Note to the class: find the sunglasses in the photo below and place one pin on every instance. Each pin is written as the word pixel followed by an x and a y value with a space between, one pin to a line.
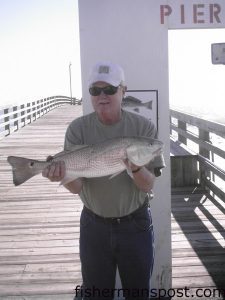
pixel 107 90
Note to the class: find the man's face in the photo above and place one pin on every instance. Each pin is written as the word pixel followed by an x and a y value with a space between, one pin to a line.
pixel 104 103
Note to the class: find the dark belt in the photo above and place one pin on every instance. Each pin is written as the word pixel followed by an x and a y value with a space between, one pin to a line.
pixel 118 219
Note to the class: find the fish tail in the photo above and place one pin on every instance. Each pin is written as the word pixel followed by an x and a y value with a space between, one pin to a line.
pixel 148 104
pixel 22 169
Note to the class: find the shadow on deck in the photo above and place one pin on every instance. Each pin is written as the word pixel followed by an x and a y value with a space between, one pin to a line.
pixel 198 230
pixel 198 241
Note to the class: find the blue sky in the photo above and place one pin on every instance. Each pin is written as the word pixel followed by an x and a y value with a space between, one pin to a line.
pixel 39 38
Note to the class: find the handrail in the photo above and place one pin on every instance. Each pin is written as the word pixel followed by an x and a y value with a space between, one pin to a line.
pixel 191 129
pixel 14 117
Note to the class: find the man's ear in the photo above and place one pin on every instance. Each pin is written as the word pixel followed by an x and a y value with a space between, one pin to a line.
pixel 124 89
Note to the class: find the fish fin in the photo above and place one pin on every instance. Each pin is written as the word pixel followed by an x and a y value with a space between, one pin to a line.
pixel 128 168
pixel 129 172
pixel 140 156
pixel 119 172
pixel 69 150
pixel 21 169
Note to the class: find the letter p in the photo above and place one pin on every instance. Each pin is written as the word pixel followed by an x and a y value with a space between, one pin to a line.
pixel 165 11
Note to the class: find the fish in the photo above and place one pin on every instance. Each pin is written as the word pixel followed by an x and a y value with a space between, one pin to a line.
pixel 130 101
pixel 96 160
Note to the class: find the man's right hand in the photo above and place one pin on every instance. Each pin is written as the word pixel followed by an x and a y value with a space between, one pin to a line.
pixel 56 171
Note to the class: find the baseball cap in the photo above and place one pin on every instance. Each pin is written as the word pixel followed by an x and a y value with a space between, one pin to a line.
pixel 107 72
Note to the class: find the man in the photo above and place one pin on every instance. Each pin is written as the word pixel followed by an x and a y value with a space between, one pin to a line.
pixel 116 226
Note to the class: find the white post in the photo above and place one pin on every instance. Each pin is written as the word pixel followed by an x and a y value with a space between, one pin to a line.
pixel 130 34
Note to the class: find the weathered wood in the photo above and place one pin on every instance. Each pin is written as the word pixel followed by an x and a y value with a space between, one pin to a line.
pixel 40 297
pixel 209 137
pixel 198 233
pixel 203 144
pixel 184 171
pixel 183 126
pixel 204 124
pixel 16 117
pixel 39 221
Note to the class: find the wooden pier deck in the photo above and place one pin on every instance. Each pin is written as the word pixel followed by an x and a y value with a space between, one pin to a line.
pixel 39 225
pixel 39 222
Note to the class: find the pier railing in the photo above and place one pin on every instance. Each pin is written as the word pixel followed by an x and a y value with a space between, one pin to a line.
pixel 205 142
pixel 14 117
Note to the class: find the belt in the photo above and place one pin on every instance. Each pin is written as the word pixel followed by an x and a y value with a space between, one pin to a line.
pixel 118 219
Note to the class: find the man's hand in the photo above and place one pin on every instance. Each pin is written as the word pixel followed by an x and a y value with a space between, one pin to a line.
pixel 55 172
pixel 143 178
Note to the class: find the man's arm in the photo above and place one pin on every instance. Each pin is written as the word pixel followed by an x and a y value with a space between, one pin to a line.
pixel 143 178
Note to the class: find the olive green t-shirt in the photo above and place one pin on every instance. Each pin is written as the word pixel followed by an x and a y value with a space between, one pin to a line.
pixel 118 196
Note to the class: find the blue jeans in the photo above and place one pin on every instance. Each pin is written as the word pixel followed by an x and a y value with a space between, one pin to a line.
pixel 126 243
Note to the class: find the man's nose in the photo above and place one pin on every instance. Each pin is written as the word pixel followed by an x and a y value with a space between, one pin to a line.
pixel 102 94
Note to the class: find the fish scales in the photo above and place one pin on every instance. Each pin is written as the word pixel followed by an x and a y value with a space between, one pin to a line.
pixel 97 161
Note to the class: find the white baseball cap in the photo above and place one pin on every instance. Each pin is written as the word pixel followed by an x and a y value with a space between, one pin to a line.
pixel 107 72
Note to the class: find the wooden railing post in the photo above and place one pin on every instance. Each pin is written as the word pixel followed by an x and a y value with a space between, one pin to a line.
pixel 204 136
pixel 6 120
pixel 28 113
pixel 15 115
pixel 182 125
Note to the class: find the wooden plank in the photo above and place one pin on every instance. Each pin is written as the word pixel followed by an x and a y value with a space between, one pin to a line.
pixel 18 233
pixel 204 236
pixel 182 261
pixel 199 269
pixel 57 288
pixel 41 277
pixel 40 297
pixel 52 267
pixel 41 250
pixel 36 259
pixel 39 244
pixel 210 126
pixel 203 281
pixel 30 238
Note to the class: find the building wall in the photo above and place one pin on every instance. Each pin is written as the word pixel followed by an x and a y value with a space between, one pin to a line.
pixel 131 34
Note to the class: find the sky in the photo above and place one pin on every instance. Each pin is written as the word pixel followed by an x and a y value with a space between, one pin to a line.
pixel 38 41
pixel 196 85
pixel 40 38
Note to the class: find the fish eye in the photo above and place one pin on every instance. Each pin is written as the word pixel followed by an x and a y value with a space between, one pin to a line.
pixel 31 163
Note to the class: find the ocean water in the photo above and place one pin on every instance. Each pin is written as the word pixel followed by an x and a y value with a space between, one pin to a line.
pixel 206 111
